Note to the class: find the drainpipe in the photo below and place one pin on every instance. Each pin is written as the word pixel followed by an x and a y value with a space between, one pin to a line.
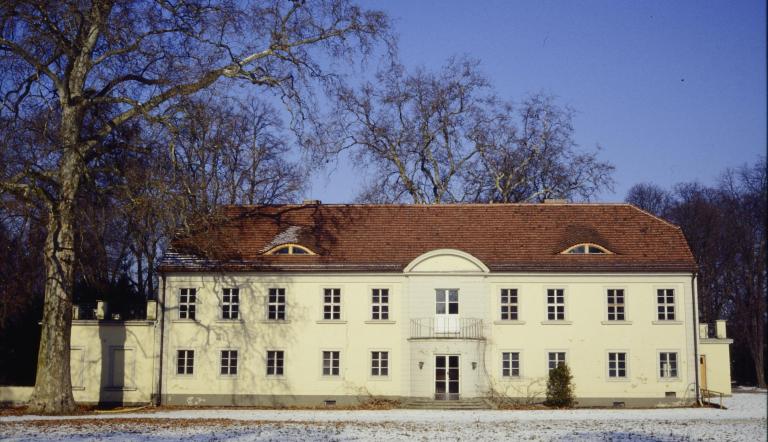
pixel 695 299
pixel 159 399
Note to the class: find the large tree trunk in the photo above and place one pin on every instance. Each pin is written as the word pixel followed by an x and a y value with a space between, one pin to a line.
pixel 53 385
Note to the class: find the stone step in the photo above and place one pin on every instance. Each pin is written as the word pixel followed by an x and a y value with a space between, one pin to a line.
pixel 462 404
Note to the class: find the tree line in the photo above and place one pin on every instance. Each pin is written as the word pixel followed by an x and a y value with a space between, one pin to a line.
pixel 122 120
pixel 725 226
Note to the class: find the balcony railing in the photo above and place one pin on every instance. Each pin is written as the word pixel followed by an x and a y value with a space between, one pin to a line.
pixel 446 327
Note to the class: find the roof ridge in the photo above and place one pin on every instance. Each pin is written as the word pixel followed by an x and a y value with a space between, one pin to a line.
pixel 432 205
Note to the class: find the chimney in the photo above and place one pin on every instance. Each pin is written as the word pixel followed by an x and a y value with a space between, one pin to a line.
pixel 720 329
pixel 312 202
pixel 555 201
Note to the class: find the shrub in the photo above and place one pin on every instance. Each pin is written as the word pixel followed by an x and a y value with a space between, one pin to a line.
pixel 560 387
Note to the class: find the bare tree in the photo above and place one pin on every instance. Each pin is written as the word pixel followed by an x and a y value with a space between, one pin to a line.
pixel 90 68
pixel 651 198
pixel 529 155
pixel 433 137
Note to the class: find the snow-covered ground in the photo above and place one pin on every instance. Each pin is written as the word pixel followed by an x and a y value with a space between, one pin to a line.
pixel 745 419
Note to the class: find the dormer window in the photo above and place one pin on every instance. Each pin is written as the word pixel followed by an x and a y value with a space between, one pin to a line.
pixel 289 249
pixel 586 249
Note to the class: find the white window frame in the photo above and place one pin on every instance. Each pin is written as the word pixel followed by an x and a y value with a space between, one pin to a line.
pixel 184 315
pixel 279 292
pixel 383 307
pixel 330 375
pixel 230 304
pixel 519 364
pixel 237 364
pixel 332 304
pixel 616 368
pixel 447 301
pixel 556 304
pixel 615 305
pixel 275 366
pixel 659 373
pixel 509 305
pixel 550 352
pixel 186 359
pixel 388 361
pixel 666 305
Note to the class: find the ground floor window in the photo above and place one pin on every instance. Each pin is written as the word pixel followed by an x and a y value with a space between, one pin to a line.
pixel 275 361
pixel 668 364
pixel 185 362
pixel 379 363
pixel 555 359
pixel 617 365
pixel 331 363
pixel 510 364
pixel 228 362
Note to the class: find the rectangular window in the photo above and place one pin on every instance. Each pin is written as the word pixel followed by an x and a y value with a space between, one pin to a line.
pixel 331 304
pixel 556 304
pixel 665 304
pixel 185 362
pixel 509 304
pixel 510 364
pixel 229 362
pixel 616 305
pixel 380 304
pixel 77 367
pixel 275 361
pixel 668 364
pixel 276 304
pixel 379 363
pixel 230 304
pixel 122 367
pixel 447 302
pixel 187 299
pixel 617 365
pixel 330 363
pixel 555 358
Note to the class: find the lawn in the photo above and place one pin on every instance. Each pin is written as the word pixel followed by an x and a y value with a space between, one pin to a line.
pixel 743 420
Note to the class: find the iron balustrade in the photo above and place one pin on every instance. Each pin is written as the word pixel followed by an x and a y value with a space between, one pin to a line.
pixel 447 327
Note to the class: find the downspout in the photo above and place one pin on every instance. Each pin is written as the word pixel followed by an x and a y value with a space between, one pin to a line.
pixel 695 299
pixel 159 399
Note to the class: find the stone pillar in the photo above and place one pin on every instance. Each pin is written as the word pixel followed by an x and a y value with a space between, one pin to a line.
pixel 703 331
pixel 151 310
pixel 720 329
pixel 75 312
pixel 101 310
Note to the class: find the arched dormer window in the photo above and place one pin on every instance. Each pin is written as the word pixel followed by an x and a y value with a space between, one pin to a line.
pixel 289 249
pixel 586 249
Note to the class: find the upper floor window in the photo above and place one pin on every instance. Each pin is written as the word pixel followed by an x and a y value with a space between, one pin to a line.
pixel 447 302
pixel 555 304
pixel 187 299
pixel 289 249
pixel 230 304
pixel 509 304
pixel 331 304
pixel 380 304
pixel 586 249
pixel 276 304
pixel 616 305
pixel 665 304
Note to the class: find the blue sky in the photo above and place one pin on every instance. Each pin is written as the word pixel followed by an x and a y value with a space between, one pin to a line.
pixel 672 90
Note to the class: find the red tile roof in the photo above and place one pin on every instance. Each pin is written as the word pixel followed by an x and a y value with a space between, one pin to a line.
pixel 385 238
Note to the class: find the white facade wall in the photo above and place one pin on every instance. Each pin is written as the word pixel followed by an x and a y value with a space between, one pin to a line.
pixel 585 336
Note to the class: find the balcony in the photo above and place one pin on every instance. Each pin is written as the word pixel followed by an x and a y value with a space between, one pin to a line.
pixel 446 327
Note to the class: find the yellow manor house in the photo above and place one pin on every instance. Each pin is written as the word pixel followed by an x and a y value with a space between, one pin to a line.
pixel 318 304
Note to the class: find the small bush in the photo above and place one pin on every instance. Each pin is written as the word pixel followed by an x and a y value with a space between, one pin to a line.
pixel 560 387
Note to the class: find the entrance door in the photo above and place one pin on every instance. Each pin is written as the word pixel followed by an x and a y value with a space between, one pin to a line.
pixel 447 377
pixel 446 311
pixel 703 371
